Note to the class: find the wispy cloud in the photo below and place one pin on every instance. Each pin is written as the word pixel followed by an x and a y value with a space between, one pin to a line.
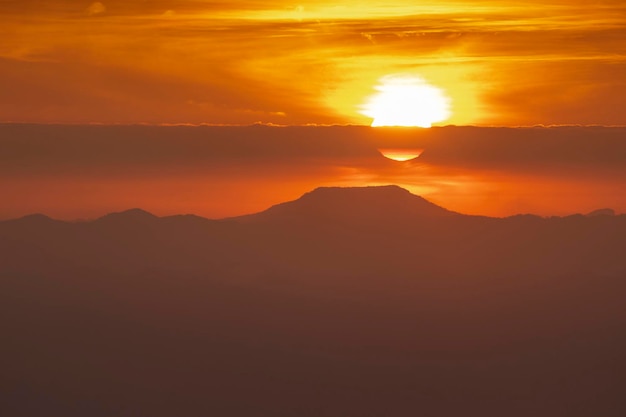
pixel 96 8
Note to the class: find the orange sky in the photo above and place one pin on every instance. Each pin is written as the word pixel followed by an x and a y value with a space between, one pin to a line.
pixel 190 61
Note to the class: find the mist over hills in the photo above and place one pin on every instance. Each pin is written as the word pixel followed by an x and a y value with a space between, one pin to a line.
pixel 344 302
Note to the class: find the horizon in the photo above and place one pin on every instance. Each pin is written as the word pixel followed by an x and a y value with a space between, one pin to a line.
pixel 279 203
pixel 83 171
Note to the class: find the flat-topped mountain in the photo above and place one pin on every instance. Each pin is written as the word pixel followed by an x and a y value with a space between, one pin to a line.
pixel 368 301
pixel 374 203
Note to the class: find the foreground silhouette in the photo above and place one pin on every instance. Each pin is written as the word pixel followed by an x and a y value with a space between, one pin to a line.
pixel 346 302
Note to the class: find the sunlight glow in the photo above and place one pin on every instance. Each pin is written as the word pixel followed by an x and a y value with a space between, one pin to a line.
pixel 404 100
pixel 332 10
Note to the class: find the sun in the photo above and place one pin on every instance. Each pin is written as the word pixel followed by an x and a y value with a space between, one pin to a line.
pixel 406 100
pixel 400 154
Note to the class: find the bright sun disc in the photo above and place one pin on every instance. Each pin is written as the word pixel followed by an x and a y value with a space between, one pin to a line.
pixel 406 101
pixel 400 154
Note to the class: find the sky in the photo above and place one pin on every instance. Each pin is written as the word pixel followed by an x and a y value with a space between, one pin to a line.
pixel 501 63
pixel 83 83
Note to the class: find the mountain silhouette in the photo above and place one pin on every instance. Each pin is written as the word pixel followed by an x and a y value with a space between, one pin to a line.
pixel 602 212
pixel 354 204
pixel 128 216
pixel 346 301
pixel 32 221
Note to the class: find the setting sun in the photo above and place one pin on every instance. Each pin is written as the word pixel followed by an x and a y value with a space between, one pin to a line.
pixel 406 101
pixel 312 208
pixel 400 154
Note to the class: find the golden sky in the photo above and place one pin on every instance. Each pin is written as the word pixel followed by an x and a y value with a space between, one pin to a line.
pixel 309 62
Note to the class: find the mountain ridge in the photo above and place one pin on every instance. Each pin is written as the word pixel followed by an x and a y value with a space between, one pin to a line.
pixel 374 311
pixel 382 200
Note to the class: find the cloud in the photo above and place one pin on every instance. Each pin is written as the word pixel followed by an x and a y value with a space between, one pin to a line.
pixel 96 8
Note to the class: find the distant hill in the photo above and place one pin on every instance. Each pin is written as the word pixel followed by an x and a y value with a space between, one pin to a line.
pixel 344 302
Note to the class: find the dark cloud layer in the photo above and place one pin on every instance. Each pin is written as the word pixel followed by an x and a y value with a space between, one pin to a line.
pixel 59 148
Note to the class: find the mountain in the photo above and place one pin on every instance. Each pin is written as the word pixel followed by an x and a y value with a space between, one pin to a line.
pixel 347 301
pixel 602 212
pixel 132 216
pixel 353 204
